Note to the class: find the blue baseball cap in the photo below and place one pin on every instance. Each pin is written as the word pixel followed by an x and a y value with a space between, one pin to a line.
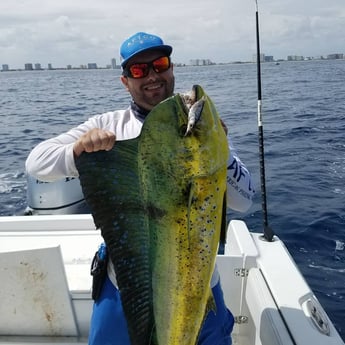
pixel 140 42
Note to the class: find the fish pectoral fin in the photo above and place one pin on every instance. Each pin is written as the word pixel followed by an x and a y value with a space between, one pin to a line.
pixel 211 305
pixel 152 340
pixel 191 199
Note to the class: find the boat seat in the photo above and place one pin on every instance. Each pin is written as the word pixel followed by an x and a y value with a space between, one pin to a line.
pixel 271 329
pixel 34 294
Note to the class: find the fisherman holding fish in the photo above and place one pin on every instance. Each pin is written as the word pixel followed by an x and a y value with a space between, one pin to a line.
pixel 148 77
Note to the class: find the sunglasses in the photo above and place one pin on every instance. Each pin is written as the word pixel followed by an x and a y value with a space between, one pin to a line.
pixel 141 70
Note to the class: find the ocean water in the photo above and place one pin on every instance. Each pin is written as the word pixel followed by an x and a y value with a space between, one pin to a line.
pixel 304 124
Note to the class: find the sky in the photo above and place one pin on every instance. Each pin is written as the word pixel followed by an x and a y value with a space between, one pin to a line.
pixel 77 32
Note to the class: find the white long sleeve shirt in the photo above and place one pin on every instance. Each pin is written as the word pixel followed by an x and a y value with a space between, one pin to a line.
pixel 53 159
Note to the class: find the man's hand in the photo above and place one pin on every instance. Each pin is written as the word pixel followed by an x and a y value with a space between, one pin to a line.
pixel 94 140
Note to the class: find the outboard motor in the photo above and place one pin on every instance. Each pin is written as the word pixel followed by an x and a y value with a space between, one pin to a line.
pixel 59 197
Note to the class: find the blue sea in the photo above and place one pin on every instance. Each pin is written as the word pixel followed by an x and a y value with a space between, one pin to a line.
pixel 304 125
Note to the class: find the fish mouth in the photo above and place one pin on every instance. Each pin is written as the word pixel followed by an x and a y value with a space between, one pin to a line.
pixel 189 98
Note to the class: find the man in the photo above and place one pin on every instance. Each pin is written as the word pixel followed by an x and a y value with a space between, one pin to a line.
pixel 148 77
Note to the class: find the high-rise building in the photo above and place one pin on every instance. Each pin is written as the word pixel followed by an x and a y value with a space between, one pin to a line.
pixel 295 58
pixel 113 63
pixel 92 65
pixel 335 56
pixel 201 62
pixel 5 68
pixel 262 57
pixel 28 67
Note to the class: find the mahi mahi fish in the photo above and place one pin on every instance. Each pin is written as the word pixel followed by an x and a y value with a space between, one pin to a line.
pixel 159 202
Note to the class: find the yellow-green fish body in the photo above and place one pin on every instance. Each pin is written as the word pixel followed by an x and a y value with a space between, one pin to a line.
pixel 174 189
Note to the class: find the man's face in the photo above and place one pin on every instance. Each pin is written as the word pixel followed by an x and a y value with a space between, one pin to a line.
pixel 152 89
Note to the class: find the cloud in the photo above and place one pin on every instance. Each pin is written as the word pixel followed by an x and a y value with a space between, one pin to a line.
pixel 302 34
pixel 77 32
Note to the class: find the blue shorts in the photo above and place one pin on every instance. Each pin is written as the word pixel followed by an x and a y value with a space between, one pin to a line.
pixel 109 327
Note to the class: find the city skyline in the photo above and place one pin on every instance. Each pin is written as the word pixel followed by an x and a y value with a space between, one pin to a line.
pixel 192 62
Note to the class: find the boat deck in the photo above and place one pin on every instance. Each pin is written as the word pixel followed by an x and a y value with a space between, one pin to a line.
pixel 46 285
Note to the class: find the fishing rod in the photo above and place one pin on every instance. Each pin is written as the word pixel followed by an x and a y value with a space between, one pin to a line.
pixel 268 232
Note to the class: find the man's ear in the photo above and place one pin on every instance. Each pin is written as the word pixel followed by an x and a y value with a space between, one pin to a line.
pixel 124 81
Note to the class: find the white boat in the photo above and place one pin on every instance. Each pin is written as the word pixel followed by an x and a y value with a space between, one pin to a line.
pixel 46 285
